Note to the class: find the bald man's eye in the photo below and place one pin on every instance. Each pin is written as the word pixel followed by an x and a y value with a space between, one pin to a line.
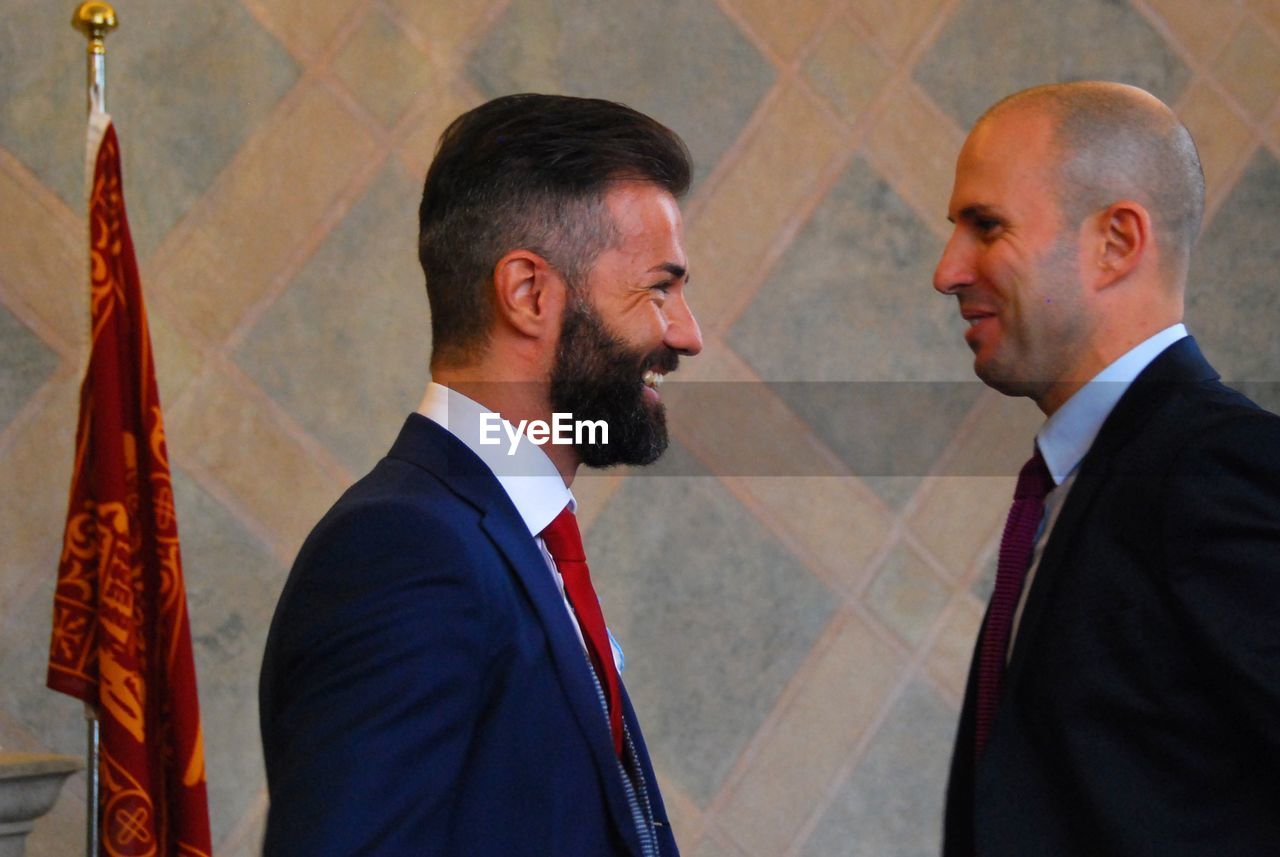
pixel 987 227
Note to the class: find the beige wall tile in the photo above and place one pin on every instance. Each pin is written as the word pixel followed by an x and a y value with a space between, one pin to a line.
pixel 837 521
pixel 442 104
pixel 773 177
pixel 914 145
pixel 784 27
pixel 766 438
pixel 997 438
pixel 714 845
pixel 897 23
pixel 306 26
pixel 682 811
pixel 382 68
pixel 1249 68
pixel 46 259
pixel 301 166
pixel 1221 136
pixel 1203 26
pixel 1268 11
pixel 446 24
pixel 37 477
pixel 177 359
pixel 236 439
pixel 846 70
pixel 841 691
pixel 960 512
pixel 958 516
pixel 906 594
pixel 278 189
pixel 948 661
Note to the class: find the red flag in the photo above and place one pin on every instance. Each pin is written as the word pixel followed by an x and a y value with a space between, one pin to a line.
pixel 121 638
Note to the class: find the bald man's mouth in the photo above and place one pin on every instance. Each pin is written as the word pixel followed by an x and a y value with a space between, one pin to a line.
pixel 979 321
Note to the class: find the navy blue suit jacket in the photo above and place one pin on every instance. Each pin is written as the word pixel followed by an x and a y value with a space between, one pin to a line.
pixel 423 690
pixel 1141 708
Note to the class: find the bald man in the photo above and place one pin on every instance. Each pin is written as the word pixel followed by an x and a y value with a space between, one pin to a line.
pixel 1124 697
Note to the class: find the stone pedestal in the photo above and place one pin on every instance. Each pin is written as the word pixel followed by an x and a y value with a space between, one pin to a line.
pixel 29 785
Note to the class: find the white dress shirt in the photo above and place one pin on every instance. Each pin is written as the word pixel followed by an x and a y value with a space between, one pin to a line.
pixel 1067 435
pixel 526 474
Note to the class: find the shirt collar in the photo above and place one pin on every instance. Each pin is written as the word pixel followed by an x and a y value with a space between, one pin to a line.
pixel 1067 435
pixel 528 476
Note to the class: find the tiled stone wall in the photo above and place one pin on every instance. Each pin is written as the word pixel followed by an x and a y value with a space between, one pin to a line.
pixel 796 645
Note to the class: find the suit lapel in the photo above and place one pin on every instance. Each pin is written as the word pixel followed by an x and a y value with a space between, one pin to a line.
pixel 1179 364
pixel 426 444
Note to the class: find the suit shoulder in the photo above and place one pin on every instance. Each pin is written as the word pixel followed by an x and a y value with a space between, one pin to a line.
pixel 1217 416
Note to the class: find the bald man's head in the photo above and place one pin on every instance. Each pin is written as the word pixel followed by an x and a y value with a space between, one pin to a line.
pixel 1120 142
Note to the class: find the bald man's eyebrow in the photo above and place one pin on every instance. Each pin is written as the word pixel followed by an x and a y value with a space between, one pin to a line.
pixel 972 213
pixel 677 271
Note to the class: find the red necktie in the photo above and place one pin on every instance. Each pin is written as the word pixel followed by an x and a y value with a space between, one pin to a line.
pixel 564 543
pixel 1016 545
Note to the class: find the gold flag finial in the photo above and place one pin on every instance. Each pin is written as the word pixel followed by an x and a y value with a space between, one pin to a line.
pixel 95 19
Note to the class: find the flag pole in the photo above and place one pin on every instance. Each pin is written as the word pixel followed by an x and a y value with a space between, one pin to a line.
pixel 95 20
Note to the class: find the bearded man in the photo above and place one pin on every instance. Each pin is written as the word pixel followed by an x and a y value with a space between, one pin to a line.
pixel 438 677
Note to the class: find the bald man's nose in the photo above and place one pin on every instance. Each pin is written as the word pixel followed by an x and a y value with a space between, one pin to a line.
pixel 955 266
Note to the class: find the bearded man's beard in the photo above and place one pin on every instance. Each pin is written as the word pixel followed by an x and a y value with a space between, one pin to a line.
pixel 598 377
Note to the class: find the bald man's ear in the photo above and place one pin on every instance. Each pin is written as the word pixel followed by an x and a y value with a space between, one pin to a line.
pixel 529 293
pixel 1123 240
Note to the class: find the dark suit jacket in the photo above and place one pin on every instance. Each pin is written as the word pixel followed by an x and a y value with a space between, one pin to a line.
pixel 423 691
pixel 1141 710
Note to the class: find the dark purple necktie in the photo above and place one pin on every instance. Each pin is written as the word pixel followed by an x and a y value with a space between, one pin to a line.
pixel 1016 545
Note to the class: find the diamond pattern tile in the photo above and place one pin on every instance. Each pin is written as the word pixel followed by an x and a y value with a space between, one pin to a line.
pixel 1221 136
pixel 785 27
pixel 706 583
pixel 1042 41
pixel 25 363
pixel 948 659
pixel 308 25
pixel 1249 67
pixel 446 24
pixel 241 245
pixel 352 334
pixel 846 69
pixel 221 429
pixel 797 643
pixel 1231 296
pixel 42 96
pixel 892 804
pixel 175 138
pixel 792 772
pixel 553 46
pixel 43 247
pixel 383 68
pixel 1203 26
pixel 907 595
pixel 36 463
pixel 55 718
pixel 858 279
pixel 210 107
pixel 897 24
pixel 759 196
pixel 232 584
pixel 444 103
pixel 1268 11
